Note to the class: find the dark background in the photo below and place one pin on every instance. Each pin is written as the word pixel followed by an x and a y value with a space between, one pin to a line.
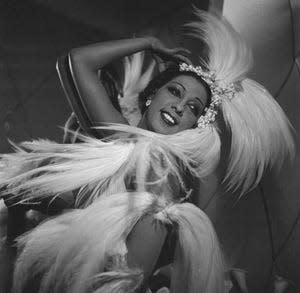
pixel 260 233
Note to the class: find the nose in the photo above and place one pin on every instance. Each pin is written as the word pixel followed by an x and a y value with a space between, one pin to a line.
pixel 179 108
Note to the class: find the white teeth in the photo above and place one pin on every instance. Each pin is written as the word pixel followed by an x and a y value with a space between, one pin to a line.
pixel 168 118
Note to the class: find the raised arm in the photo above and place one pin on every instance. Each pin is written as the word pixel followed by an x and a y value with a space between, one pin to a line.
pixel 84 64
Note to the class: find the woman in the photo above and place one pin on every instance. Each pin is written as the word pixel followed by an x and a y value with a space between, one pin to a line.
pixel 135 185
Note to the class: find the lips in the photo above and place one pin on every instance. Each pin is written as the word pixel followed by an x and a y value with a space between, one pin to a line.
pixel 168 118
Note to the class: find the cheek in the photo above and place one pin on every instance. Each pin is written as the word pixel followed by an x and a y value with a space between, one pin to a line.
pixel 158 102
pixel 188 121
pixel 152 115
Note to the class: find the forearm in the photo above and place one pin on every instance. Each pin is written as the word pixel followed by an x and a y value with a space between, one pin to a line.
pixel 98 55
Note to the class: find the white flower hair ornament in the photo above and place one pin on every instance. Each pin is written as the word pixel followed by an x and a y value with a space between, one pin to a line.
pixel 217 92
pixel 260 131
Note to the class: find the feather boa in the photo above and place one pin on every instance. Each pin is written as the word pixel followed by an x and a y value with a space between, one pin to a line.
pixel 70 253
pixel 44 168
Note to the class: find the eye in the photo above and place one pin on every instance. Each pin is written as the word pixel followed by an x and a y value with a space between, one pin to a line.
pixel 174 91
pixel 195 109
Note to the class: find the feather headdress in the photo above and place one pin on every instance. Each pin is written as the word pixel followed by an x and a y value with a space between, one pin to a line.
pixel 260 131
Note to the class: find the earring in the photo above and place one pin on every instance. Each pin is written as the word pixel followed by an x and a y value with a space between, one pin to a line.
pixel 148 102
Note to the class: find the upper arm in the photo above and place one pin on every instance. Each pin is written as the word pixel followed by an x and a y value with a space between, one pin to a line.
pixel 87 95
pixel 92 93
pixel 144 244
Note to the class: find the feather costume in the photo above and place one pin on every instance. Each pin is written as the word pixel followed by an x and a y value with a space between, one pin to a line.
pixel 71 252
pixel 85 250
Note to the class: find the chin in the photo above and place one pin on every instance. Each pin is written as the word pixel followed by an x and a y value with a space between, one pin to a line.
pixel 161 127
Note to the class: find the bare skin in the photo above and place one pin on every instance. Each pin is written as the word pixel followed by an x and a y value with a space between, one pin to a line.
pixel 176 106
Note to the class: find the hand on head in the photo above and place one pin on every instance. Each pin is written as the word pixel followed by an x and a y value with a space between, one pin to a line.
pixel 163 55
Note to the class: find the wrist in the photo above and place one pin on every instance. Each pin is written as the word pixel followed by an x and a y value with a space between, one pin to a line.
pixel 150 42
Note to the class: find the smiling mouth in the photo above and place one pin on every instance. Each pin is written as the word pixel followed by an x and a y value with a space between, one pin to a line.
pixel 168 118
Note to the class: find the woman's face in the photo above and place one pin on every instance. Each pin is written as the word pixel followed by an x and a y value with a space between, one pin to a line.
pixel 176 106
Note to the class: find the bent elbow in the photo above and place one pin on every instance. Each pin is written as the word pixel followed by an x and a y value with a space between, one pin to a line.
pixel 75 58
pixel 79 59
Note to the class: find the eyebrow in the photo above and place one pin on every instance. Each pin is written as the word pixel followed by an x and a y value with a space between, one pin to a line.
pixel 180 84
pixel 201 102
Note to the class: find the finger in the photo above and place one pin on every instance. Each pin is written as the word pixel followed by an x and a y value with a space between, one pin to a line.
pixel 180 58
pixel 182 51
pixel 160 63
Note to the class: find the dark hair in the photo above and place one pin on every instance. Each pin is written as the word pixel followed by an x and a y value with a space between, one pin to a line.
pixel 164 77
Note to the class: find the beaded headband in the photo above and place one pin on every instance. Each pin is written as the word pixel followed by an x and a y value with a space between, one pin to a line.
pixel 218 92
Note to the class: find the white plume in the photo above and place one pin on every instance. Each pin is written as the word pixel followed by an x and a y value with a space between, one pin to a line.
pixel 261 135
pixel 70 253
pixel 135 81
pixel 44 168
pixel 85 250
pixel 199 265
pixel 260 132
pixel 228 54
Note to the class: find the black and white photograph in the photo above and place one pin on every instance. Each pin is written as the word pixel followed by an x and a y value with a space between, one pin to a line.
pixel 149 146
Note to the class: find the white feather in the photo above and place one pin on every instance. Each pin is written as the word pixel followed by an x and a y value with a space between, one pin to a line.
pixel 96 167
pixel 135 80
pixel 261 135
pixel 228 54
pixel 70 253
pixel 260 131
pixel 199 265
